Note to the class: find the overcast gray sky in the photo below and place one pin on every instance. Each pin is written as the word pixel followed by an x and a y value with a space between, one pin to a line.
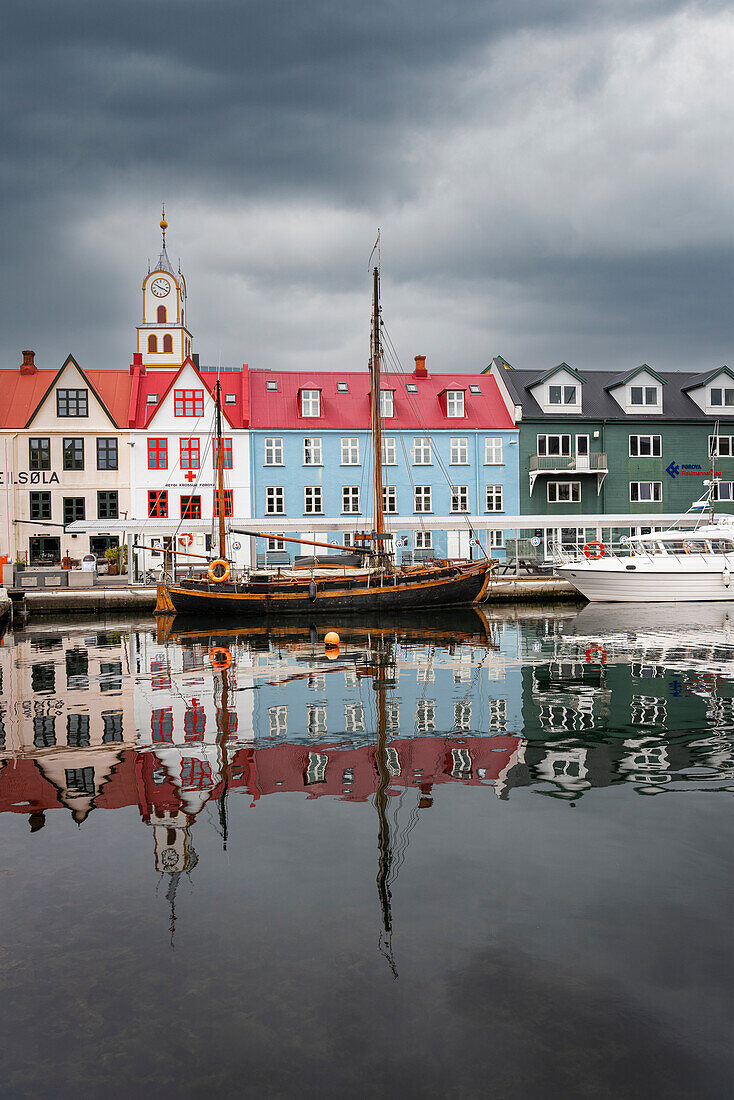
pixel 552 178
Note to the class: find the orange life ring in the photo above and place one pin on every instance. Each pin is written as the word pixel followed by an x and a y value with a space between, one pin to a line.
pixel 597 653
pixel 213 577
pixel 186 538
pixel 220 658
pixel 594 550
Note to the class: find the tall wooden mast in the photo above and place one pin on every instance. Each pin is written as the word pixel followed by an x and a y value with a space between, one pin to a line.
pixel 220 473
pixel 376 353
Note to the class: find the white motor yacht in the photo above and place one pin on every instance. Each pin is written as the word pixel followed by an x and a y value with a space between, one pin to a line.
pixel 673 566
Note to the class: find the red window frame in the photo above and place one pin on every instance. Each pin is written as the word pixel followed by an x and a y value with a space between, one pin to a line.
pixel 158 503
pixel 227 449
pixel 192 506
pixel 228 503
pixel 194 723
pixel 157 453
pixel 190 453
pixel 161 725
pixel 195 774
pixel 188 402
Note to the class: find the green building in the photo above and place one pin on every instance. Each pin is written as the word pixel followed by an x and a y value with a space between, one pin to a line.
pixel 601 444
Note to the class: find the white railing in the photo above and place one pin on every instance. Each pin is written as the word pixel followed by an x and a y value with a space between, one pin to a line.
pixel 591 463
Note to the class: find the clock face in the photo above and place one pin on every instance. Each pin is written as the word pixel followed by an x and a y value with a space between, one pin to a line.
pixel 161 287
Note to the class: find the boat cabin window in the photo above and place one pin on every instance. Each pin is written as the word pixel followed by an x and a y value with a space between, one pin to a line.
pixel 722 546
pixel 687 545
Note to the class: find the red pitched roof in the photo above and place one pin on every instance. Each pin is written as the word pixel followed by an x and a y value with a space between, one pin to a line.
pixel 343 411
pixel 22 394
pixel 159 381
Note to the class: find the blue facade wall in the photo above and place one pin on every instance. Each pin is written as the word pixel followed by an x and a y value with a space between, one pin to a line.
pixel 293 476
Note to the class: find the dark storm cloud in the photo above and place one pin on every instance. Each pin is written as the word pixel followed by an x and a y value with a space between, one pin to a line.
pixel 329 114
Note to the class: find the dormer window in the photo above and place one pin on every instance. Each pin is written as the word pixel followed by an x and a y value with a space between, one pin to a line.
pixel 387 403
pixel 721 396
pixel 644 395
pixel 454 403
pixel 562 395
pixel 310 403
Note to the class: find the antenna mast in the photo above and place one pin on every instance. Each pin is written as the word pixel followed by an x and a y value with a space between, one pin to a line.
pixel 220 473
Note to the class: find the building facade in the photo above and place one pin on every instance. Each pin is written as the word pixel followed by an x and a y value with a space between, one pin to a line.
pixel 63 437
pixel 449 459
pixel 599 444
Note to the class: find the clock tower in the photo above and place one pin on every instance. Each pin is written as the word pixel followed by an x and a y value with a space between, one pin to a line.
pixel 163 338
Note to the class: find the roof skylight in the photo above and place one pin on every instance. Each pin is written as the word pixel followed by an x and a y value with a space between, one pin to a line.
pixel 475 389
pixel 342 387
pixel 411 387
pixel 272 386
pixel 151 399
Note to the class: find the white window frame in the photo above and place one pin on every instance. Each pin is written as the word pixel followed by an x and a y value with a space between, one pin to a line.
pixel 542 444
pixel 314 443
pixel 350 450
pixel 350 497
pixel 574 492
pixel 493 449
pixel 726 397
pixel 354 717
pixel 727 487
pixel 493 498
pixel 460 498
pixel 495 540
pixel 422 495
pixel 645 392
pixel 311 403
pixel 315 719
pixel 656 489
pixel 423 540
pixel 455 404
pixel 728 450
pixel 275 545
pixel 278 720
pixel 273 449
pixel 389 451
pixel 651 444
pixel 313 500
pixel 274 500
pixel 387 404
pixel 389 500
pixel 563 391
pixel 421 448
pixel 459 451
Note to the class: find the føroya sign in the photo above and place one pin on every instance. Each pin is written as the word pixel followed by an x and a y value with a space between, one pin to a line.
pixel 689 469
pixel 29 477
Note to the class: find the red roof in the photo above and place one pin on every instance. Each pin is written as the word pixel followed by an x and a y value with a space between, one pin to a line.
pixel 22 394
pixel 351 410
pixel 155 380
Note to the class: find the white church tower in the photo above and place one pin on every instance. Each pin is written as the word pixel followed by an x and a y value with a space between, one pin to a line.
pixel 163 338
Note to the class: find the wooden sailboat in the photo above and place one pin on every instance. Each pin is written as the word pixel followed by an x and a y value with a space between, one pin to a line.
pixel 374 583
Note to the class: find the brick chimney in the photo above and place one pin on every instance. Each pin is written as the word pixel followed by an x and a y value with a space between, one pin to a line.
pixel 28 366
pixel 420 367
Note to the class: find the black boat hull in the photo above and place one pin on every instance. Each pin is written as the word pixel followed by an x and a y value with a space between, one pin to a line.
pixel 447 587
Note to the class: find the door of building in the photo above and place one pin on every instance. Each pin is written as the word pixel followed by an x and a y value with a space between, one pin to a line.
pixel 457 544
pixel 45 550
pixel 582 452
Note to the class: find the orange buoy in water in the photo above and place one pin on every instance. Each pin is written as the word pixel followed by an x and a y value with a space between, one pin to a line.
pixel 332 653
pixel 331 639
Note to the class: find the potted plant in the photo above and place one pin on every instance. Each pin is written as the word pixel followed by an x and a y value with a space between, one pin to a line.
pixel 112 553
pixel 20 562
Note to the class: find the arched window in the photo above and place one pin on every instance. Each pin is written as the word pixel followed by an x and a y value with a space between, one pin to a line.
pixel 168 343
pixel 161 315
pixel 188 347
pixel 152 343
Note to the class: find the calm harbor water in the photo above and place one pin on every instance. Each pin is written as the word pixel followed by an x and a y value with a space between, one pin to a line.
pixel 463 855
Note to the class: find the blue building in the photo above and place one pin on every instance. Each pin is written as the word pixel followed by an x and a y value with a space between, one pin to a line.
pixel 449 457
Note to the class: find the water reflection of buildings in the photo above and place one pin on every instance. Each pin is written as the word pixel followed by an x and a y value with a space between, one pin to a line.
pixel 93 720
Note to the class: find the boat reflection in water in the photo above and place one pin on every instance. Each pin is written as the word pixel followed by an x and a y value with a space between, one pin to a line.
pixel 176 721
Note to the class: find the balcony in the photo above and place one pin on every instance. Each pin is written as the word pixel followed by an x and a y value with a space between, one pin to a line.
pixel 595 463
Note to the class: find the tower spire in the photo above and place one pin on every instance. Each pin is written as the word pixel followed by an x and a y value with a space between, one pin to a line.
pixel 163 224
